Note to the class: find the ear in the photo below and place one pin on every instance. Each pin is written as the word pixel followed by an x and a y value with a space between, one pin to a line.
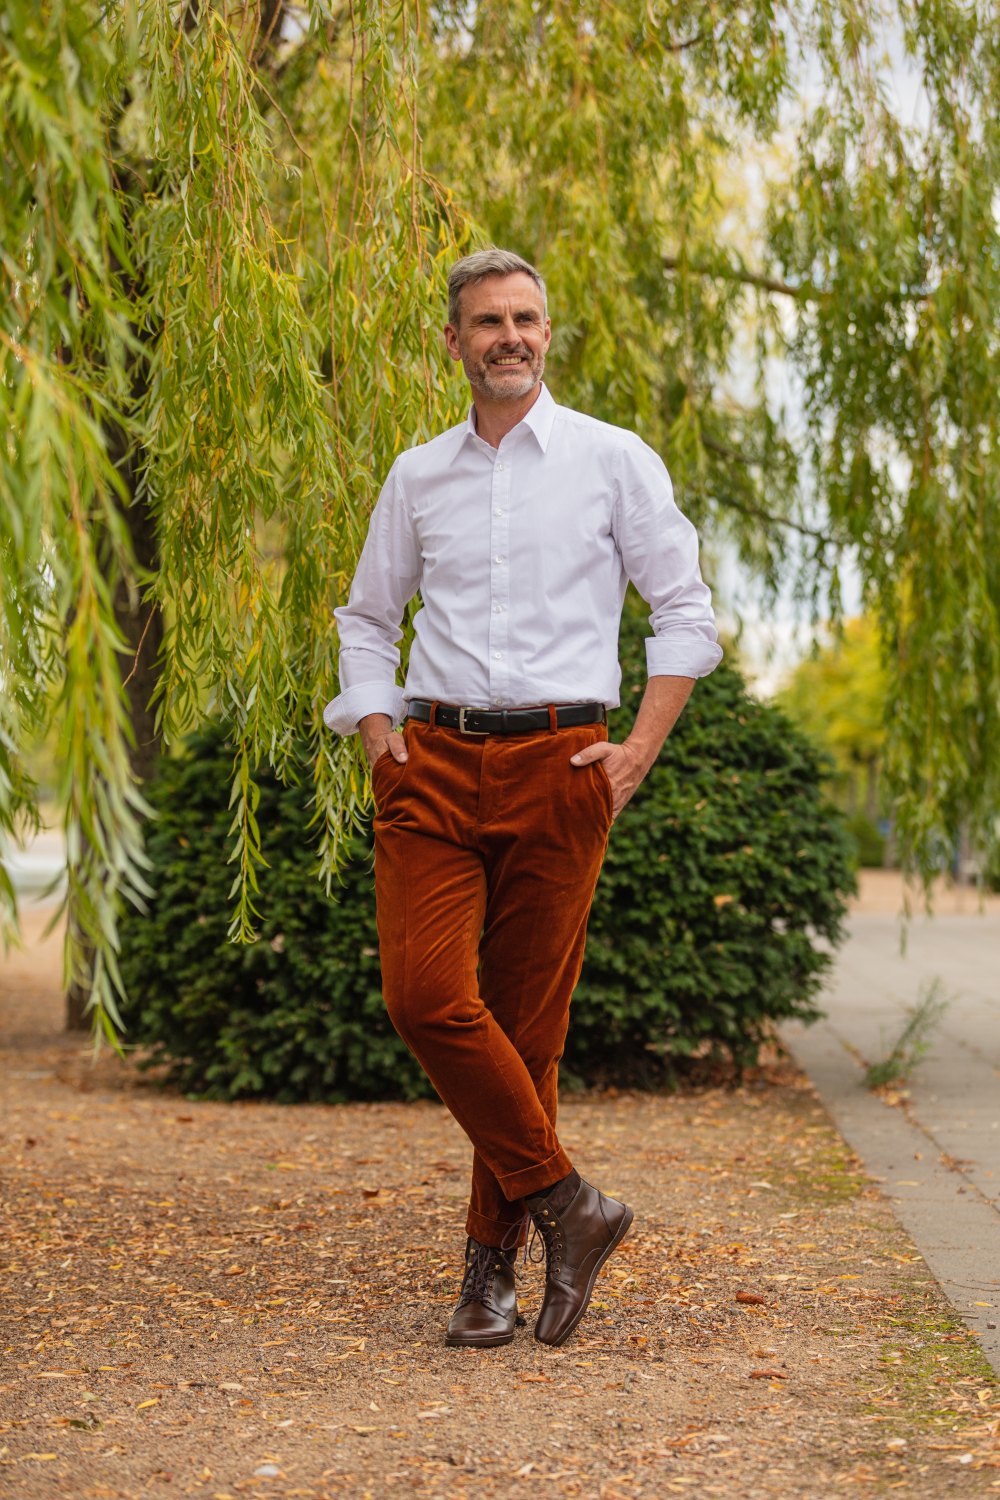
pixel 548 332
pixel 451 341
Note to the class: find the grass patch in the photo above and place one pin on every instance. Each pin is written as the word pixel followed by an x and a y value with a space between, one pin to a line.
pixel 832 1177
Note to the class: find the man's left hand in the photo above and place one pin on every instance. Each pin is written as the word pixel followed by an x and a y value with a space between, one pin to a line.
pixel 627 763
pixel 625 768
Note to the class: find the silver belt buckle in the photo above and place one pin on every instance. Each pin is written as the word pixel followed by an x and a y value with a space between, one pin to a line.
pixel 482 733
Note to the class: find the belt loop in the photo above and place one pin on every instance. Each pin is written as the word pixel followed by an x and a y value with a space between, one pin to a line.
pixel 432 721
pixel 553 721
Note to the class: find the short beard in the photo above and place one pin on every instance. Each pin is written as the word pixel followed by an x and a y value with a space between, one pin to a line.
pixel 503 388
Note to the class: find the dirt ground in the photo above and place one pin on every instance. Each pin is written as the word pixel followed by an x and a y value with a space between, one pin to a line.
pixel 249 1300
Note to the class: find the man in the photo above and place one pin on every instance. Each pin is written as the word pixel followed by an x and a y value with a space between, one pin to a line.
pixel 520 528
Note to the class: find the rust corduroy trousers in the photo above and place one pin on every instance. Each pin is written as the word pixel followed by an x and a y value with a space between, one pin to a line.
pixel 487 851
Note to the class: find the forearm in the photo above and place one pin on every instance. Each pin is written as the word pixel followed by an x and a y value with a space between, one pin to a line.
pixel 369 624
pixel 659 711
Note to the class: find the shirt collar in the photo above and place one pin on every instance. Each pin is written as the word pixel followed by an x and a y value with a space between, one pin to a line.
pixel 539 419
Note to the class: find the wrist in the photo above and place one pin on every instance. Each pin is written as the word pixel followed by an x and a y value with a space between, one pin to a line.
pixel 373 729
pixel 641 751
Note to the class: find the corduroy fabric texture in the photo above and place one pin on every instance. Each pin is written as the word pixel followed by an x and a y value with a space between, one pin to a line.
pixel 487 851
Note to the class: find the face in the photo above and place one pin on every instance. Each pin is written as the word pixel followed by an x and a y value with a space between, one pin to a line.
pixel 501 336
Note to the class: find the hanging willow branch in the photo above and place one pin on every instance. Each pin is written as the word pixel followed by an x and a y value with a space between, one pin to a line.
pixel 161 314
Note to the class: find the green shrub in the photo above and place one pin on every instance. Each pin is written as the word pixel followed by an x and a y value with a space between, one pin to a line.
pixel 723 876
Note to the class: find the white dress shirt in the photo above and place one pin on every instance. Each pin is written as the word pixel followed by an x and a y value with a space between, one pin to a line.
pixel 522 555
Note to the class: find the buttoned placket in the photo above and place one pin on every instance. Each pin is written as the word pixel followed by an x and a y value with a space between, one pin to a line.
pixel 499 635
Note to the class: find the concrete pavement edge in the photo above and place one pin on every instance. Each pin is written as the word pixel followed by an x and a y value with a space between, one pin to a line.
pixel 953 1226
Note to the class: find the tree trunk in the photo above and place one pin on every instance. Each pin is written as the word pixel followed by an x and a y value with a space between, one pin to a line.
pixel 872 788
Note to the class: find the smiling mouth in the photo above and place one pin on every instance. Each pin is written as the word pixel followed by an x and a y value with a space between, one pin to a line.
pixel 508 361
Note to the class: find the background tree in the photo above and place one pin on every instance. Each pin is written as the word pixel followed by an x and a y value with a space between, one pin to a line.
pixel 225 233
pixel 838 696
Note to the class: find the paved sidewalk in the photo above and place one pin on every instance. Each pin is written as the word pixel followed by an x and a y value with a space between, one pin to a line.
pixel 935 1152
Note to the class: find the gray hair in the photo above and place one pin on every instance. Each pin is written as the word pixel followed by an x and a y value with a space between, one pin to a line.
pixel 492 262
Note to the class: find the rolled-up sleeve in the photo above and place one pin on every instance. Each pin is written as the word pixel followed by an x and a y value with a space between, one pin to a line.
pixel 370 623
pixel 659 549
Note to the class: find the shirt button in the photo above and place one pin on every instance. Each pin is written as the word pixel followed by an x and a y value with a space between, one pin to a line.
pixel 498 656
pixel 499 558
pixel 500 467
pixel 498 609
pixel 498 701
pixel 499 511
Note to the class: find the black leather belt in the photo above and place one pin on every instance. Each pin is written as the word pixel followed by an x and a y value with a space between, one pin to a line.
pixel 505 720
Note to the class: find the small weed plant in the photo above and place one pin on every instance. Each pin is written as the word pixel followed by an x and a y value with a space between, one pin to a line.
pixel 914 1040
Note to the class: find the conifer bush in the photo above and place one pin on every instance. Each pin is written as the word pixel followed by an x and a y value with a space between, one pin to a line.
pixel 721 898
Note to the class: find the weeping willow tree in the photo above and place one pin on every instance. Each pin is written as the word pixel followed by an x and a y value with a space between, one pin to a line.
pixel 225 235
pixel 201 387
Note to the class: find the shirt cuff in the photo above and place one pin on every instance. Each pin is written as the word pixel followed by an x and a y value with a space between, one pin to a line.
pixel 342 714
pixel 680 657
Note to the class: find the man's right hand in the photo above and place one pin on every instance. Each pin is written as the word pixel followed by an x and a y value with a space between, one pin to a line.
pixel 378 735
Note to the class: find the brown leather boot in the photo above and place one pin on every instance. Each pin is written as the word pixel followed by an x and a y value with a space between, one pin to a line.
pixel 486 1314
pixel 578 1240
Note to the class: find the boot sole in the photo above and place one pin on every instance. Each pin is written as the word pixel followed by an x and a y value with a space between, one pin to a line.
pixel 622 1231
pixel 494 1343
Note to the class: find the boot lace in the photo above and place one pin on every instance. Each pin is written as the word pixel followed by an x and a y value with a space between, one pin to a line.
pixel 543 1239
pixel 481 1265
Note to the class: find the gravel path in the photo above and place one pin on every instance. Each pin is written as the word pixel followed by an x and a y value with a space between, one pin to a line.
pixel 220 1301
